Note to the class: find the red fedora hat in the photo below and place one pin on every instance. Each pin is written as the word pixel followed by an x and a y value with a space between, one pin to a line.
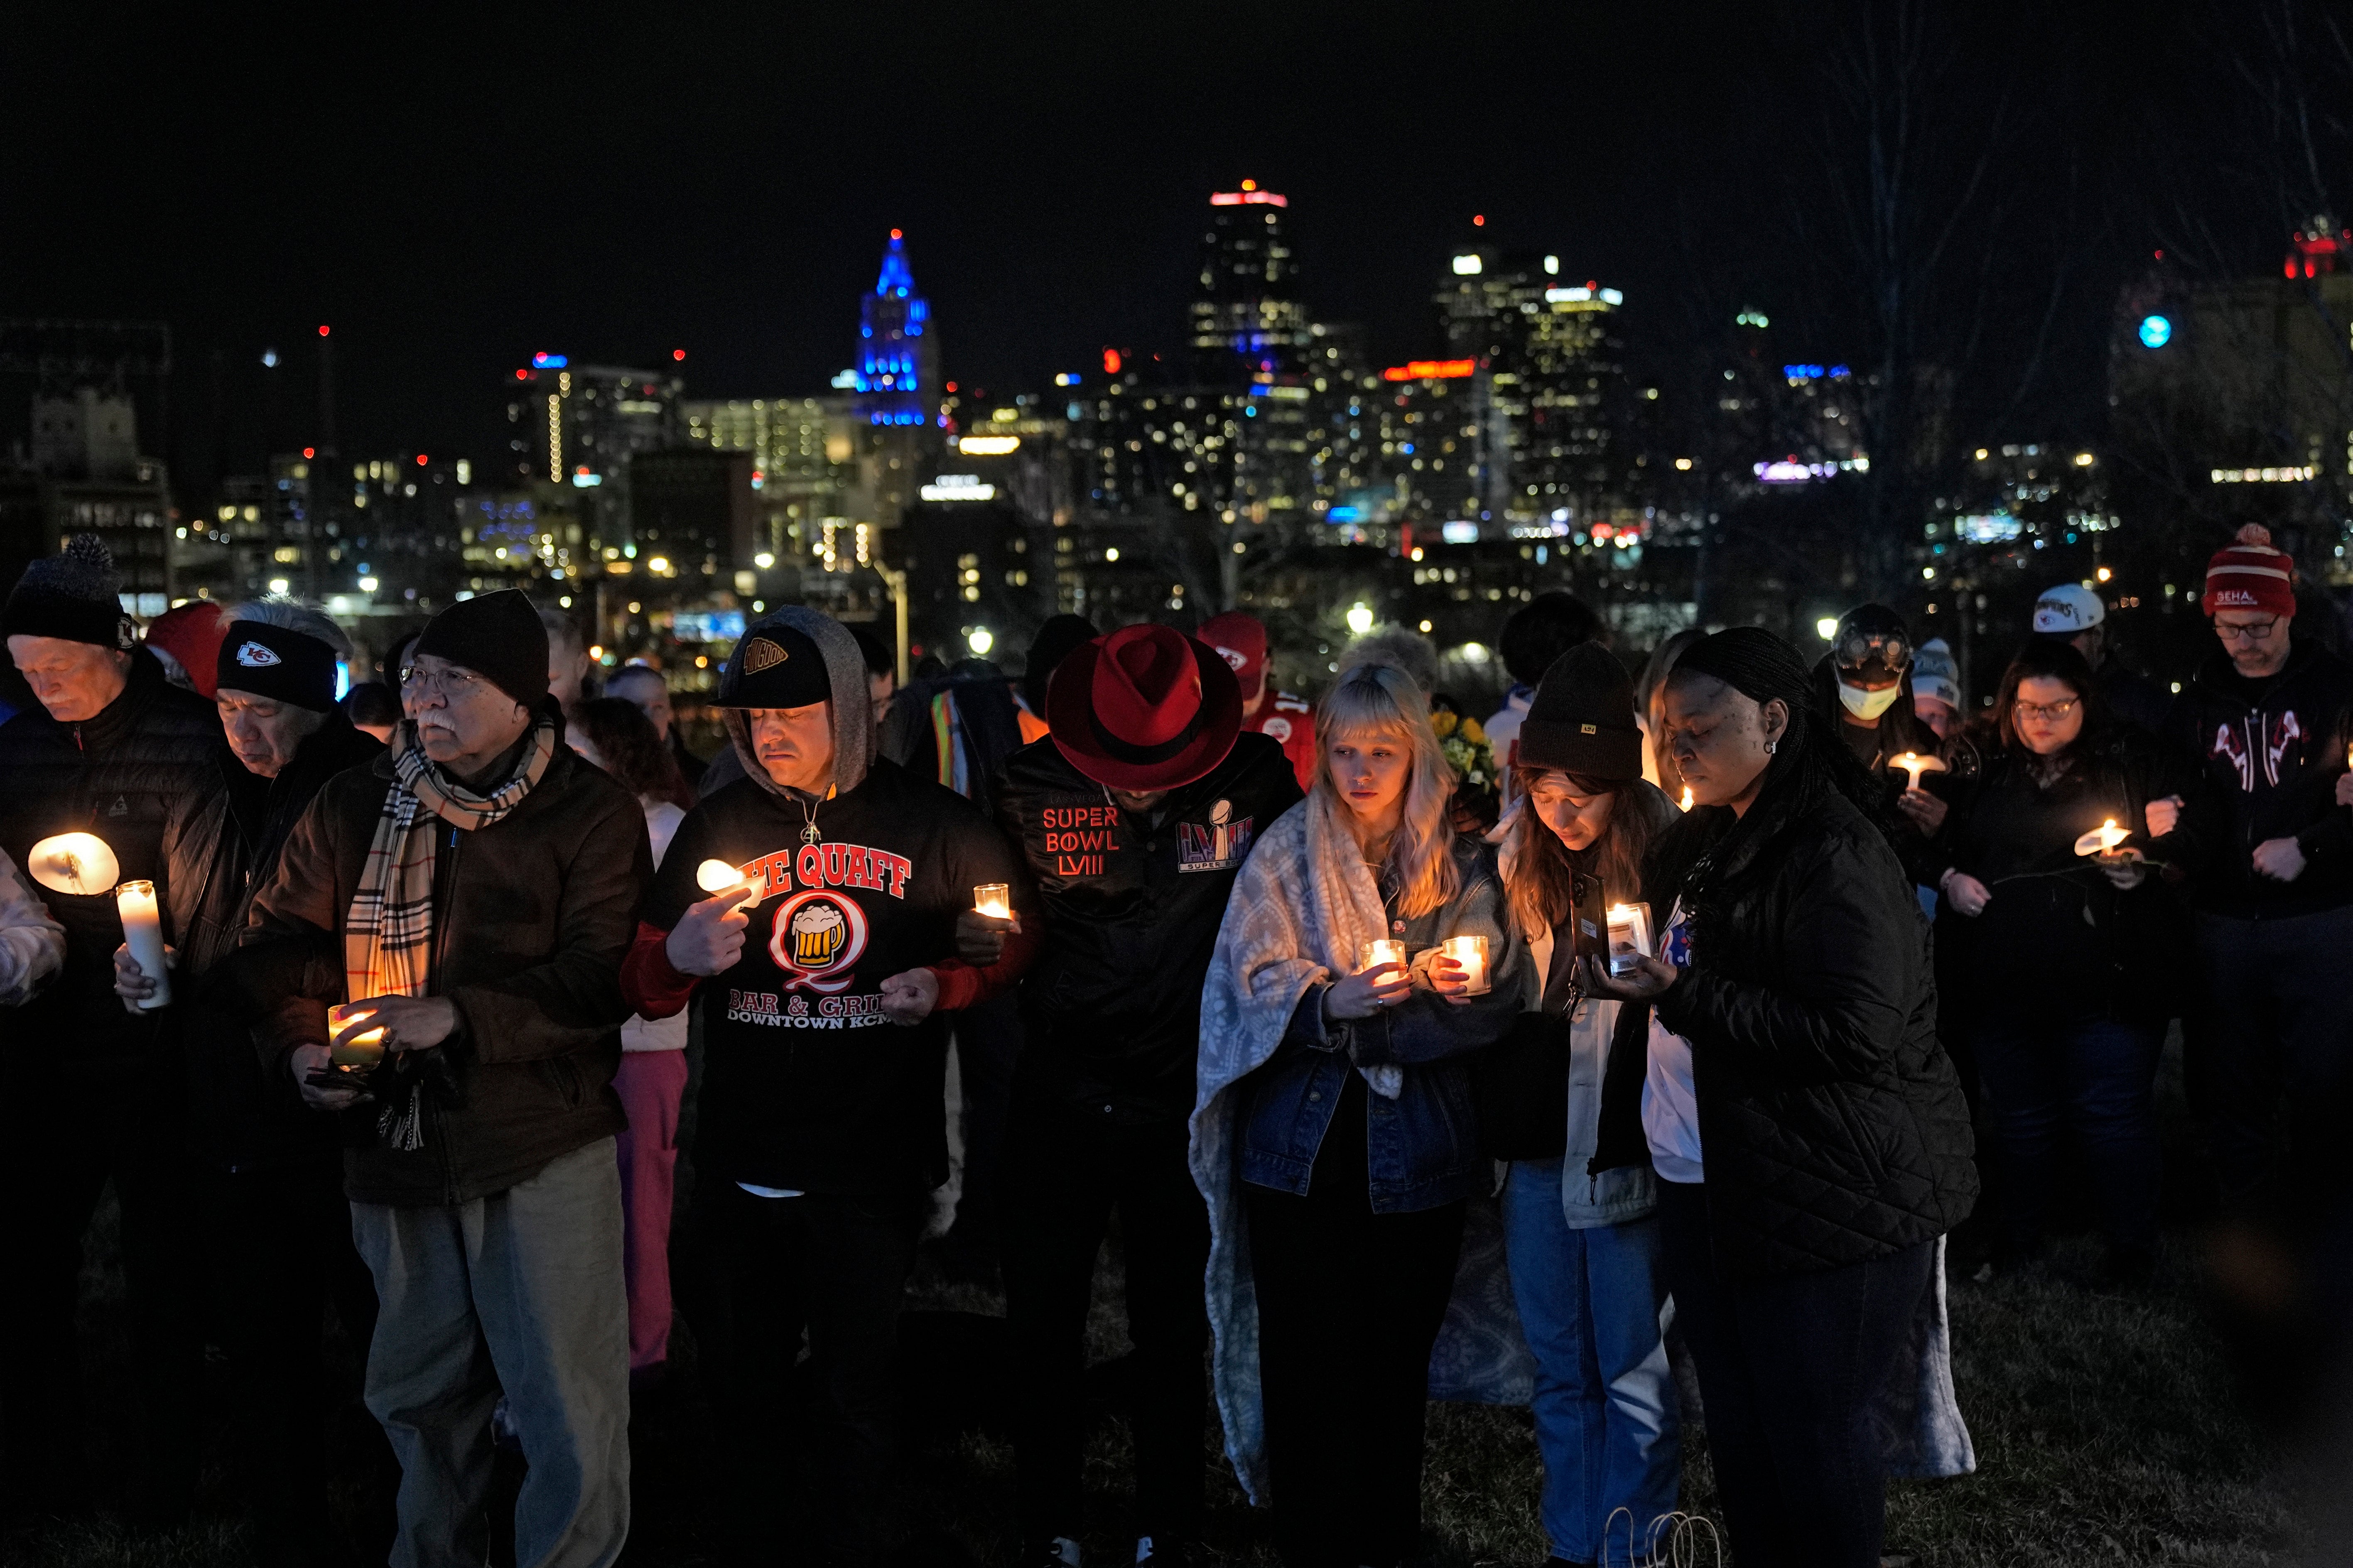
pixel 1145 708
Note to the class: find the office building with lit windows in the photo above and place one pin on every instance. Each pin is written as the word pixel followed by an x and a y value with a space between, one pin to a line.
pixel 1248 323
pixel 897 380
pixel 1550 400
pixel 580 424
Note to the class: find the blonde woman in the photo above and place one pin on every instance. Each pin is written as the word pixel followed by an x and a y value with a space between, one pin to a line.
pixel 1334 1135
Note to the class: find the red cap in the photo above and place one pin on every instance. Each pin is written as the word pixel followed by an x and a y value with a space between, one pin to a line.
pixel 2250 576
pixel 1241 641
pixel 192 633
pixel 1145 708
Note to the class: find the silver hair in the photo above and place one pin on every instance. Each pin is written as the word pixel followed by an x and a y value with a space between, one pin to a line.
pixel 293 616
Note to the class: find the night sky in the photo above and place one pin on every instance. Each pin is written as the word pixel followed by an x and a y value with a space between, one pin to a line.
pixel 452 195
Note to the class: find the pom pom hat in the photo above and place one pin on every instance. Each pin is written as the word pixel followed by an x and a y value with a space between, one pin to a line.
pixel 2250 574
pixel 76 597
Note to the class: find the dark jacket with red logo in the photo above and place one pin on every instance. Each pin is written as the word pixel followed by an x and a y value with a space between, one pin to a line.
pixel 1132 909
pixel 807 1085
pixel 2269 754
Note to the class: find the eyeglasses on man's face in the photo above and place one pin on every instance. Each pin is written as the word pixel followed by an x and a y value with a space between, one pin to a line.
pixel 450 683
pixel 2247 631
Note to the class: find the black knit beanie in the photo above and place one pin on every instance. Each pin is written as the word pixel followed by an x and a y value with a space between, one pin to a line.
pixel 76 596
pixel 1581 720
pixel 1052 644
pixel 498 636
pixel 277 664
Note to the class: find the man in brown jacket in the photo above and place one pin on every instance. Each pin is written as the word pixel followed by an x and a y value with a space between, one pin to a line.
pixel 473 892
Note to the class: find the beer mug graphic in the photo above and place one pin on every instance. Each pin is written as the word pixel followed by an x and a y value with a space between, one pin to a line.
pixel 816 940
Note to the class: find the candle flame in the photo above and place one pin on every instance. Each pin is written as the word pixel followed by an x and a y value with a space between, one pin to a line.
pixel 717 877
pixel 1687 797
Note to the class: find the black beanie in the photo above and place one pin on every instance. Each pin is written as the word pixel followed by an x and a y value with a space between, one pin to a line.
pixel 1053 645
pixel 1581 720
pixel 498 636
pixel 76 596
pixel 277 663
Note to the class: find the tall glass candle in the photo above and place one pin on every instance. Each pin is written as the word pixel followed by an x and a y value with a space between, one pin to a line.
pixel 1471 952
pixel 994 899
pixel 142 933
pixel 1629 937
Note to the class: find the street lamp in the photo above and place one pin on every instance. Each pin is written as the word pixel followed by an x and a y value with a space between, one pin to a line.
pixel 1360 618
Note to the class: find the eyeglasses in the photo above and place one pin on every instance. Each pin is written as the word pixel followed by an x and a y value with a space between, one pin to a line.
pixel 2251 631
pixel 2049 711
pixel 449 684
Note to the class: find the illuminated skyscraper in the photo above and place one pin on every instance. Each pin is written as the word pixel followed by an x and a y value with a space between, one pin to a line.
pixel 1248 324
pixel 898 357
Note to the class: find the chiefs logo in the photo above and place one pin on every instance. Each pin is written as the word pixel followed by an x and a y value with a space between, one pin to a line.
pixel 1277 730
pixel 816 940
pixel 1234 657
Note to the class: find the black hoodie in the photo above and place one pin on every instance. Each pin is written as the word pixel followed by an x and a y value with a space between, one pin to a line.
pixel 2269 754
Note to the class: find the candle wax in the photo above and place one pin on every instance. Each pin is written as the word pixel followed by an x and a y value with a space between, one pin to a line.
pixel 142 933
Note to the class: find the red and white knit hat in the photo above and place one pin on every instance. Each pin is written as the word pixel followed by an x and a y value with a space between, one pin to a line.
pixel 2250 576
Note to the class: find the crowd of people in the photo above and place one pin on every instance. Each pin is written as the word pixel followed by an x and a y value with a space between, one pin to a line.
pixel 1697 1033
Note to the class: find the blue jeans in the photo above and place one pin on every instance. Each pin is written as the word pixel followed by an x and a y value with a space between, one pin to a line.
pixel 2093 1077
pixel 1605 1402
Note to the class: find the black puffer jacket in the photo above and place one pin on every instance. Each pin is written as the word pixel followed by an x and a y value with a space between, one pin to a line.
pixel 220 848
pixel 1832 1125
pixel 119 775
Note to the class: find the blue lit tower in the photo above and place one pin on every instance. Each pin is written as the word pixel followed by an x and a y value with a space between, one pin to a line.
pixel 897 358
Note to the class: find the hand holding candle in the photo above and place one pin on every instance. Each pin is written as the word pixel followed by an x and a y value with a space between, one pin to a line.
pixel 1470 953
pixel 2104 839
pixel 1381 981
pixel 1629 937
pixel 1914 764
pixel 994 899
pixel 717 877
pixel 142 933
pixel 358 1049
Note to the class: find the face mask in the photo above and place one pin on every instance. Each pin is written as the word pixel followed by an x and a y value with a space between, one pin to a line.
pixel 1868 705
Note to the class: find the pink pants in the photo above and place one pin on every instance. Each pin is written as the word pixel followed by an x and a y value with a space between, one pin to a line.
pixel 652 1084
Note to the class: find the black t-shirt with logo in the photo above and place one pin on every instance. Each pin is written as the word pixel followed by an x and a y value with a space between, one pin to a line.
pixel 1132 905
pixel 807 1085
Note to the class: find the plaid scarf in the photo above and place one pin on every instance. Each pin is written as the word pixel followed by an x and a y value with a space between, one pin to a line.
pixel 388 933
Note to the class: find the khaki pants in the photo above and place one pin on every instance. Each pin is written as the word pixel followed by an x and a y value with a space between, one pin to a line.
pixel 519 1293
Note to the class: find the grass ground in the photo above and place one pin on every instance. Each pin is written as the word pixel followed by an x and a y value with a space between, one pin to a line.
pixel 2107 1429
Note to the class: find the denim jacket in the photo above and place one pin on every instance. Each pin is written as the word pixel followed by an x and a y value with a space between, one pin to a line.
pixel 1423 1145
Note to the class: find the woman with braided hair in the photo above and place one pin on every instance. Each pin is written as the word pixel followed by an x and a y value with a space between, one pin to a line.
pixel 1810 1137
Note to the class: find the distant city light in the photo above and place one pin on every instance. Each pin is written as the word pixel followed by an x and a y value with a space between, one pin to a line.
pixel 988 446
pixel 1827 628
pixel 679 355
pixel 1683 465
pixel 980 639
pixel 1751 318
pixel 1249 196
pixel 846 381
pixel 1571 296
pixel 959 487
pixel 310 452
pixel 1110 361
pixel 584 479
pixel 1468 265
pixel 270 358
pixel 1360 618
pixel 1345 514
pixel 1552 264
pixel 1815 372
pixel 1067 378
pixel 280 584
pixel 1987 528
pixel 1458 533
pixel 368 584
pixel 2261 476
pixel 550 361
pixel 420 459
pixel 2156 331
pixel 1432 369
pixel 465 472
pixel 322 329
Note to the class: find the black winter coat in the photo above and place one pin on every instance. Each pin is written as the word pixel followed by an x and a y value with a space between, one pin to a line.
pixel 1831 1122
pixel 220 848
pixel 119 775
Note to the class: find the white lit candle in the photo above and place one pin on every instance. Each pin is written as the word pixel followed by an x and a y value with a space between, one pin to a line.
pixel 142 932
pixel 1382 954
pixel 719 877
pixel 78 863
pixel 994 899
pixel 1471 952
pixel 1914 764
pixel 1687 797
pixel 2103 840
pixel 1629 936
